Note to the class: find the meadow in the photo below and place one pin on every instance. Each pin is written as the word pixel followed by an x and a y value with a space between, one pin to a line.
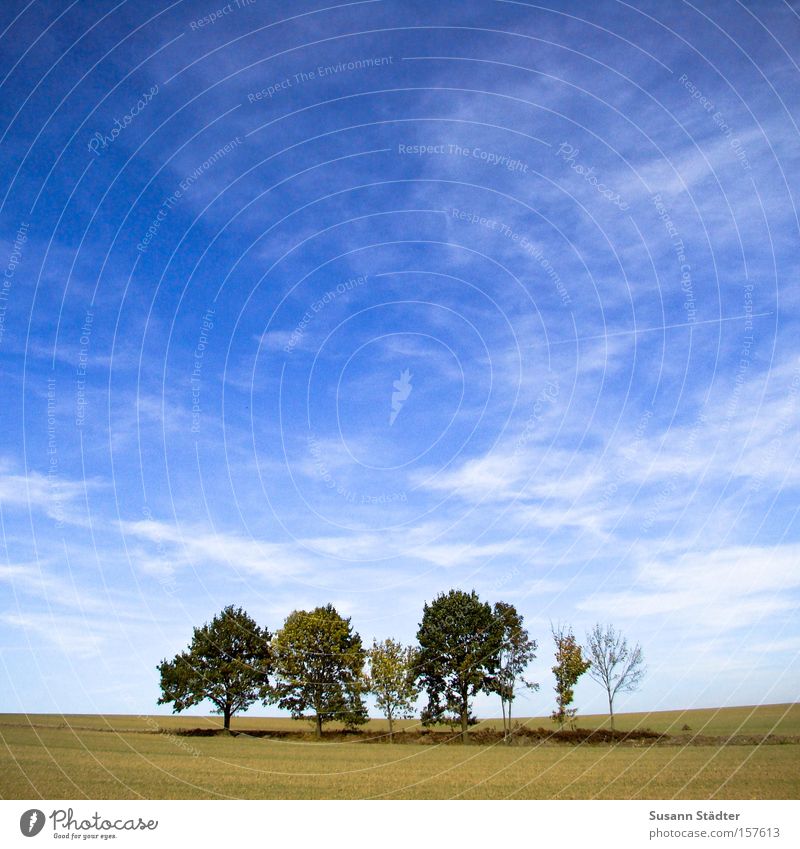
pixel 726 753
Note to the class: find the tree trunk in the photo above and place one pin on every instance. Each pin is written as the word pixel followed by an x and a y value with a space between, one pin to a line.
pixel 611 711
pixel 503 708
pixel 391 730
pixel 464 719
pixel 508 738
pixel 226 718
pixel 318 726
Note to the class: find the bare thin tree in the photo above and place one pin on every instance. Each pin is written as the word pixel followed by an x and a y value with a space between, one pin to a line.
pixel 615 665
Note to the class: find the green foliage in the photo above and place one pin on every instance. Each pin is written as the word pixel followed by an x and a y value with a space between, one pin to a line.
pixel 228 662
pixel 570 665
pixel 516 651
pixel 458 656
pixel 391 679
pixel 318 662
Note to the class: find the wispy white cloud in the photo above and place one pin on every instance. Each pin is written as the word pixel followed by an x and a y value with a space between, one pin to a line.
pixel 55 495
pixel 707 590
pixel 74 635
pixel 193 545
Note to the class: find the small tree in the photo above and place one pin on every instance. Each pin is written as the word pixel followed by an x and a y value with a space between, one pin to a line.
pixel 617 667
pixel 227 662
pixel 517 650
pixel 318 663
pixel 458 656
pixel 570 665
pixel 391 680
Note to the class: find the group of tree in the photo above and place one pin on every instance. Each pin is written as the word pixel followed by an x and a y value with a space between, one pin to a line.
pixel 316 666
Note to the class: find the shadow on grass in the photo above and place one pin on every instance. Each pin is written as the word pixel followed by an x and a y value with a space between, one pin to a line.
pixel 519 736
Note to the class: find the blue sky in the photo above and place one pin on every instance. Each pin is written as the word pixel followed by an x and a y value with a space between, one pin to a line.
pixel 360 302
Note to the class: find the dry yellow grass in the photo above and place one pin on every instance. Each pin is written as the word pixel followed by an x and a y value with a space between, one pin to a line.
pixel 69 757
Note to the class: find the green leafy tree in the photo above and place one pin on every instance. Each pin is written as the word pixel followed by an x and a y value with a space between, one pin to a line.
pixel 616 666
pixel 517 650
pixel 227 662
pixel 458 656
pixel 318 662
pixel 391 680
pixel 570 665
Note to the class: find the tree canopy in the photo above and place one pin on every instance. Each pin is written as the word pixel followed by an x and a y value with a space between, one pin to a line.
pixel 458 656
pixel 516 651
pixel 570 665
pixel 318 663
pixel 391 679
pixel 227 662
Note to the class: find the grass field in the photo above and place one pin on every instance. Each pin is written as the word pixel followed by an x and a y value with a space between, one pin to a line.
pixel 120 757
